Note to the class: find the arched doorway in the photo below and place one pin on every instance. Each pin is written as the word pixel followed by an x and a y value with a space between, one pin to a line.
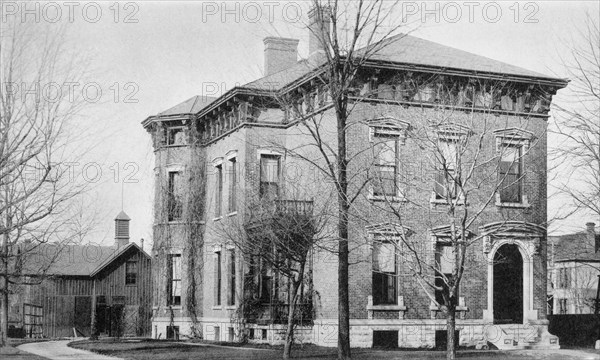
pixel 508 285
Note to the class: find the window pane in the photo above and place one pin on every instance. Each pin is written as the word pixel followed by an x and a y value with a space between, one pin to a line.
pixel 176 261
pixel 232 186
pixel 511 153
pixel 269 176
pixel 510 189
pixel 441 184
pixel 175 195
pixel 446 259
pixel 387 153
pixel 384 259
pixel 386 157
pixel 219 194
pixel 269 168
pixel 176 288
pixel 448 152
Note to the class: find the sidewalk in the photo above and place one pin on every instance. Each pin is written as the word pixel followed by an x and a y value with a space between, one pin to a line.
pixel 59 350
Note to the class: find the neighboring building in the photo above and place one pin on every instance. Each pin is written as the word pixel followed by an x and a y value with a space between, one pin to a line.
pixel 573 271
pixel 67 286
pixel 214 157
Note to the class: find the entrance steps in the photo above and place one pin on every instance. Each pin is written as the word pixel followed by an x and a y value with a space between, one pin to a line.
pixel 521 336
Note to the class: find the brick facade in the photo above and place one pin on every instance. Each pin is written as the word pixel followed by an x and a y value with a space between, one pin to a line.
pixel 266 129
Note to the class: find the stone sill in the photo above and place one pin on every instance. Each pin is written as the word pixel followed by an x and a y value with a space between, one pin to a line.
pixel 524 204
pixel 386 308
pixel 393 199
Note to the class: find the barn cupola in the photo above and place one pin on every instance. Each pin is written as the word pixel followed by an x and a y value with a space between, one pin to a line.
pixel 122 229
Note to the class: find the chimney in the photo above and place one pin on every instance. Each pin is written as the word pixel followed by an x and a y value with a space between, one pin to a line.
pixel 319 27
pixel 280 54
pixel 142 244
pixel 122 229
pixel 591 236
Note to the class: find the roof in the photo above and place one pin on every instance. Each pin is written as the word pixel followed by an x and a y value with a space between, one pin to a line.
pixel 575 247
pixel 409 49
pixel 190 106
pixel 282 78
pixel 72 260
pixel 122 216
pixel 401 49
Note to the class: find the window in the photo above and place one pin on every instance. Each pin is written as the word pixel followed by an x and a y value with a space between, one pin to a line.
pixel 386 163
pixel 261 275
pixel 232 185
pixel 130 272
pixel 386 134
pixel 563 306
pixel 510 174
pixel 564 278
pixel 269 176
pixel 174 196
pixel 444 258
pixel 174 280
pixel 217 277
pixel 231 294
pixel 175 136
pixel 118 300
pixel 384 273
pixel 219 188
pixel 447 156
pixel 173 332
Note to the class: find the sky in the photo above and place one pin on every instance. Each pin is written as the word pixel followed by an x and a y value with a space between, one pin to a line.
pixel 149 56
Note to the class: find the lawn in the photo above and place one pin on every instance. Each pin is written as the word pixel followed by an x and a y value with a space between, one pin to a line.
pixel 169 350
pixel 11 353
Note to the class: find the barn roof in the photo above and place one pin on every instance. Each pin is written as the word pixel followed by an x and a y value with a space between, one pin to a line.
pixel 71 260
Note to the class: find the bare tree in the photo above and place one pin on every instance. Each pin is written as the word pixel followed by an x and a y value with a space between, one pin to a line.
pixel 350 34
pixel 276 241
pixel 36 184
pixel 576 153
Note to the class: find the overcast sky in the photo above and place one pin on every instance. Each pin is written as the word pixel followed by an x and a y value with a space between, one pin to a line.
pixel 159 54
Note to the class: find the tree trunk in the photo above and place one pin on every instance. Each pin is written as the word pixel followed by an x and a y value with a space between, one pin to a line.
pixel 4 289
pixel 343 300
pixel 4 317
pixel 289 334
pixel 451 329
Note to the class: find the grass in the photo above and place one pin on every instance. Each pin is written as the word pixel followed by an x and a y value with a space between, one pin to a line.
pixel 171 350
pixel 12 353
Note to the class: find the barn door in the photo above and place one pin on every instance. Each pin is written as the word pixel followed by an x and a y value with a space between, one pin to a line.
pixel 83 314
